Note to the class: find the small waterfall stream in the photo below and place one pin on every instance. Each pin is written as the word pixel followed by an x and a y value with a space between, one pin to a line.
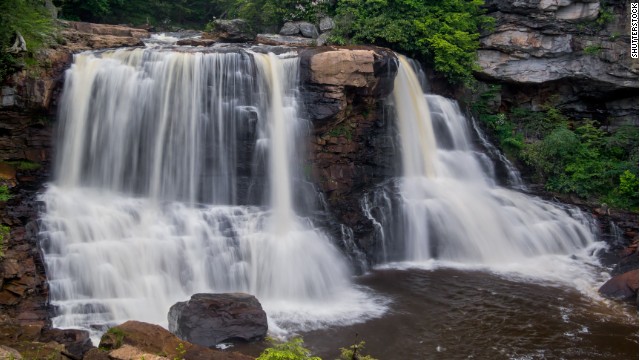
pixel 175 176
pixel 448 207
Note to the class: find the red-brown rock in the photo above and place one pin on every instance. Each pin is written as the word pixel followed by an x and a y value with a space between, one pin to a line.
pixel 141 338
pixel 621 287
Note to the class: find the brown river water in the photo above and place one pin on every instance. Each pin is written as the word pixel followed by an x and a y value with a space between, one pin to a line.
pixel 461 314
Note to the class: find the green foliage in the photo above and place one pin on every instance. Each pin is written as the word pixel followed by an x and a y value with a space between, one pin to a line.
pixel 4 193
pixel 119 336
pixel 29 18
pixel 4 233
pixel 180 350
pixel 343 129
pixel 443 32
pixel 25 165
pixel 568 157
pixel 353 353
pixel 270 14
pixel 592 49
pixel 291 350
pixel 605 16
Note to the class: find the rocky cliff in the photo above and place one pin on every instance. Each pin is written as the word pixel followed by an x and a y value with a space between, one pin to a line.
pixel 27 111
pixel 572 54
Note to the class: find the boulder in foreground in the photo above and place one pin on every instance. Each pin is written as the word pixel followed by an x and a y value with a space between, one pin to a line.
pixel 135 339
pixel 209 319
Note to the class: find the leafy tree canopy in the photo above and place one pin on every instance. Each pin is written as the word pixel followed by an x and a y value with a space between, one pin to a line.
pixel 444 33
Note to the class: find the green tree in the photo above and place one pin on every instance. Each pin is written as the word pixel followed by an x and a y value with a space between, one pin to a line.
pixel 445 33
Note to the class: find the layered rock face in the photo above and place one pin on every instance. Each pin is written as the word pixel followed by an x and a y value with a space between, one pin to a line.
pixel 352 149
pixel 574 54
pixel 26 112
pixel 36 89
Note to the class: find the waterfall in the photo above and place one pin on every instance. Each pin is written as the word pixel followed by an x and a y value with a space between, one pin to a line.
pixel 174 175
pixel 451 208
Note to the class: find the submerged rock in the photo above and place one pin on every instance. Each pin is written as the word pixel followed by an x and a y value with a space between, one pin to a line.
pixel 209 319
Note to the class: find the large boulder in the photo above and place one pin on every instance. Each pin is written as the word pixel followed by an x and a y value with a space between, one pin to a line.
pixel 326 24
pixel 290 29
pixel 621 287
pixel 298 28
pixel 209 319
pixel 308 30
pixel 328 74
pixel 236 30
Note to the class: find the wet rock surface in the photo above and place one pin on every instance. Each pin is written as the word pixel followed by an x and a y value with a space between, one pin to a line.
pixel 209 319
pixel 622 287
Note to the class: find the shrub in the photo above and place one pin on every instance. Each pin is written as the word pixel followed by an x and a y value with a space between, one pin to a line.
pixel 291 350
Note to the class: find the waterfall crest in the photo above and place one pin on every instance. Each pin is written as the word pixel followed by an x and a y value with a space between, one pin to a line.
pixel 175 176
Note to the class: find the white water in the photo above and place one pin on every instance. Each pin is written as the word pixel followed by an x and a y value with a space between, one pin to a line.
pixel 160 193
pixel 453 212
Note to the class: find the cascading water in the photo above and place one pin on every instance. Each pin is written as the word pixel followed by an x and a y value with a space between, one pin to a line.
pixel 451 208
pixel 156 198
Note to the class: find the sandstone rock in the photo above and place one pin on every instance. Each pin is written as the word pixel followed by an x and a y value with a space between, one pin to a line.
pixel 236 30
pixel 7 353
pixel 290 29
pixel 96 354
pixel 209 319
pixel 330 74
pixel 136 336
pixel 272 39
pixel 196 42
pixel 343 67
pixel 621 287
pixel 579 11
pixel 128 352
pixel 105 29
pixel 326 24
pixel 11 269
